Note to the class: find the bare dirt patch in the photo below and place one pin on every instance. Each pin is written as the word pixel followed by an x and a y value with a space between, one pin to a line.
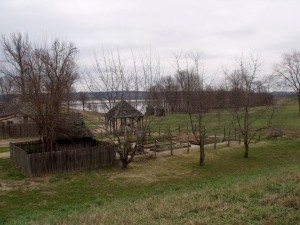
pixel 4 155
pixel 5 142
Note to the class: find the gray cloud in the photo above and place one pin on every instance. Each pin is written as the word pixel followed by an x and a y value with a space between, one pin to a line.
pixel 220 29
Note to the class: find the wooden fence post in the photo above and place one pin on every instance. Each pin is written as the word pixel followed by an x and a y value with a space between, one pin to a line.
pixel 188 139
pixel 156 148
pixel 228 143
pixel 171 144
pixel 204 134
pixel 215 144
pixel 235 133
pixel 188 144
pixel 159 130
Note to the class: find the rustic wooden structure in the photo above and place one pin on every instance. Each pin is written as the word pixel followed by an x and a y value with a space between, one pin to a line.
pixel 97 155
pixel 14 113
pixel 8 130
pixel 73 149
pixel 14 122
pixel 70 127
pixel 123 117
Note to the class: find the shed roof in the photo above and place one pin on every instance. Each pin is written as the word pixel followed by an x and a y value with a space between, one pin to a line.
pixel 71 126
pixel 123 110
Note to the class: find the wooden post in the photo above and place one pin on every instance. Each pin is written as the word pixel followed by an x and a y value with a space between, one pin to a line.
pixel 203 135
pixel 228 143
pixel 159 130
pixel 156 149
pixel 179 129
pixel 215 144
pixel 188 139
pixel 234 133
pixel 171 144
pixel 239 137
pixel 224 133
pixel 188 144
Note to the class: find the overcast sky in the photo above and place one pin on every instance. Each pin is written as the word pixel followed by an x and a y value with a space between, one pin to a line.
pixel 220 29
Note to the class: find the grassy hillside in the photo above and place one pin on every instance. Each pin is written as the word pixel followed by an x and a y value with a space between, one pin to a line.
pixel 264 189
pixel 285 117
pixel 168 190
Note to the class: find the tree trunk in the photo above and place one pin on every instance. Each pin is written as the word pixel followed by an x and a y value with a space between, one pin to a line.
pixel 202 153
pixel 124 164
pixel 299 103
pixel 246 154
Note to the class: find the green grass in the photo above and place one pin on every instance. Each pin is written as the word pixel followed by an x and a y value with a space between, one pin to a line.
pixel 285 117
pixel 92 120
pixel 168 190
pixel 264 189
pixel 4 149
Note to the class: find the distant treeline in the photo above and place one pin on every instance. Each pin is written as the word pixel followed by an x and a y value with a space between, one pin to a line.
pixel 142 95
pixel 183 101
pixel 129 95
pixel 116 95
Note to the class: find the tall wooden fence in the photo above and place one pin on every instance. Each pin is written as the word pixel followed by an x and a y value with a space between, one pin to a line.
pixel 37 164
pixel 18 130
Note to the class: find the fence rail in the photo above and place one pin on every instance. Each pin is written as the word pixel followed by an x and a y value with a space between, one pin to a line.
pixel 42 163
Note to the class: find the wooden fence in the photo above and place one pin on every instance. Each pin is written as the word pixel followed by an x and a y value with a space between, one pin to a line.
pixel 37 164
pixel 18 130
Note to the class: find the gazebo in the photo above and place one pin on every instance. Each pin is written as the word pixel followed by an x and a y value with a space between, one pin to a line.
pixel 123 117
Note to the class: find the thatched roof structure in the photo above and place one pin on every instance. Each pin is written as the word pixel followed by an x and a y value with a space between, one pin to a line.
pixel 123 116
pixel 71 126
pixel 123 110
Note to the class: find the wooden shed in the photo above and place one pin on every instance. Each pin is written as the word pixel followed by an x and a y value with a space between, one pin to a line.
pixel 71 126
pixel 123 117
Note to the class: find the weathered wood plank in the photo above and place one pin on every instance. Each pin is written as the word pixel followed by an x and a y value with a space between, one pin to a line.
pixel 37 164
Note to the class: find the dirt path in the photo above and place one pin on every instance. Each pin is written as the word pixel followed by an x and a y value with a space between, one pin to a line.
pixel 5 143
pixel 4 155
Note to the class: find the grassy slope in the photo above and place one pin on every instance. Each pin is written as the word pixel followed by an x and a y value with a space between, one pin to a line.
pixel 285 117
pixel 4 149
pixel 167 190
pixel 170 190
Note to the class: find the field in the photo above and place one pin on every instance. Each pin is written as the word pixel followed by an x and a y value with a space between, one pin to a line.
pixel 264 189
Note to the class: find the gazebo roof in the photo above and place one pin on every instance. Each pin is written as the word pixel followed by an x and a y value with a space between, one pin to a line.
pixel 123 110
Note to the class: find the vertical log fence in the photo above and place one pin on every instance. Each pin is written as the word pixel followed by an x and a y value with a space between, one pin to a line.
pixel 42 163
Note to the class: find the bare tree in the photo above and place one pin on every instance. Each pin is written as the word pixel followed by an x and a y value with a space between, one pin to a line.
pixel 191 81
pixel 83 97
pixel 165 93
pixel 119 79
pixel 6 88
pixel 288 72
pixel 242 84
pixel 42 77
